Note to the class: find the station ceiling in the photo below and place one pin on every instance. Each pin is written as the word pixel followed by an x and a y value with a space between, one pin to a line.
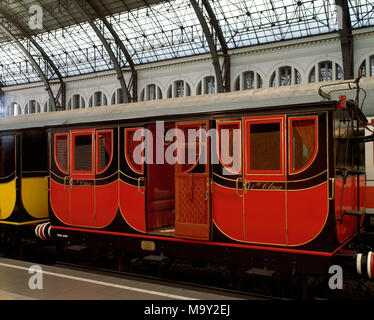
pixel 151 30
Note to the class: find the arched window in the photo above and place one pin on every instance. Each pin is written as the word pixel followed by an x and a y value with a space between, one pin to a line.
pixel 13 109
pixel 48 105
pixel 178 89
pixel 151 92
pixel 327 71
pixel 206 86
pixel 98 99
pixel 248 80
pixel 76 102
pixel 367 67
pixel 285 76
pixel 32 107
pixel 117 97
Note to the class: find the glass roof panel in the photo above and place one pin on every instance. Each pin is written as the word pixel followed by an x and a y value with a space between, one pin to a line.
pixel 169 30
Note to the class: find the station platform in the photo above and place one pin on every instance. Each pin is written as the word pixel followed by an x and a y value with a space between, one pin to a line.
pixel 20 280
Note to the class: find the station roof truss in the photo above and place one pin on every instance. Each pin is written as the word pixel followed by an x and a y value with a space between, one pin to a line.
pixel 152 31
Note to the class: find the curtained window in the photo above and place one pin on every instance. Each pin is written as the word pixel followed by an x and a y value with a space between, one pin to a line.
pixel 104 150
pixel 131 144
pixel 304 142
pixel 61 152
pixel 229 145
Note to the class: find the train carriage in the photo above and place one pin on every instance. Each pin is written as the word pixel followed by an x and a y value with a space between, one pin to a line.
pixel 274 179
pixel 23 181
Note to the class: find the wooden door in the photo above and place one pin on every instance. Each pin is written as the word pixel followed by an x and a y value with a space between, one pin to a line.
pixel 192 181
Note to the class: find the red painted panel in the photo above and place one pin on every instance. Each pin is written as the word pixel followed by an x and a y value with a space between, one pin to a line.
pixel 349 224
pixel 59 198
pixel 370 197
pixel 264 210
pixel 82 206
pixel 132 205
pixel 106 204
pixel 228 211
pixel 265 216
pixel 306 216
pixel 363 197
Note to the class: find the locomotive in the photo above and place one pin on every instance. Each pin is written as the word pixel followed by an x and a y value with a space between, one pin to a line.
pixel 275 178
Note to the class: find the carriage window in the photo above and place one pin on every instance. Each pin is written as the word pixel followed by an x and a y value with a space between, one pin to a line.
pixel 7 154
pixel 133 157
pixel 192 148
pixel 229 145
pixel 265 147
pixel 61 152
pixel 303 135
pixel 104 150
pixel 83 153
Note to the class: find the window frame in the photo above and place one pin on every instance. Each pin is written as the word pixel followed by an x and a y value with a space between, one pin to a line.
pixel 185 144
pixel 129 163
pixel 218 125
pixel 11 172
pixel 68 153
pixel 78 174
pixel 98 132
pixel 290 143
pixel 262 120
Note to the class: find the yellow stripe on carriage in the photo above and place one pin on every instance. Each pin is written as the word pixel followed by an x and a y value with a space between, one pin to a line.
pixel 7 199
pixel 24 223
pixel 34 193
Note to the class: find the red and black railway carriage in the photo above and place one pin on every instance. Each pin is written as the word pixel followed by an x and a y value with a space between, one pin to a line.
pixel 280 208
pixel 294 197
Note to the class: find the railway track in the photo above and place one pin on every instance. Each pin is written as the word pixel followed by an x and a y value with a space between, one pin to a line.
pixel 232 293
pixel 207 278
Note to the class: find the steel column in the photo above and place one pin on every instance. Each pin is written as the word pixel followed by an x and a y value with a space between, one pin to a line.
pixel 346 38
pixel 225 51
pixel 62 91
pixel 212 47
pixel 107 48
pixel 2 103
pixel 120 44
pixel 33 62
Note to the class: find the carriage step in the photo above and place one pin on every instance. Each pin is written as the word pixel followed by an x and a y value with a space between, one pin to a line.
pixel 353 213
pixel 154 258
pixel 76 248
pixel 260 272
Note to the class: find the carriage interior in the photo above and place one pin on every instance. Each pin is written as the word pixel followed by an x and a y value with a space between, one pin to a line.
pixel 160 193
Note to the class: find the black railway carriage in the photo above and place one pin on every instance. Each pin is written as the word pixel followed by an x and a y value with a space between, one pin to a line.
pixel 23 182
pixel 262 189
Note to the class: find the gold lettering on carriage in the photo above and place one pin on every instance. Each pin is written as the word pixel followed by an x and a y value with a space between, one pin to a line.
pixel 263 186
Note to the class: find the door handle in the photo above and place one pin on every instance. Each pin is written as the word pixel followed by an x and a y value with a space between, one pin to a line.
pixel 237 187
pixel 139 180
pixel 65 182
pixel 207 191
pixel 46 180
pixel 71 180
pixel 332 197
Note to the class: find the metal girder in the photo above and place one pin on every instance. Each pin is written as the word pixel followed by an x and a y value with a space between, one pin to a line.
pixel 107 47
pixel 62 92
pixel 212 47
pixel 2 104
pixel 346 37
pixel 33 62
pixel 225 51
pixel 119 43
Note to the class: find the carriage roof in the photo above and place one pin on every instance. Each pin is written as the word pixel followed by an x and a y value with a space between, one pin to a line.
pixel 289 97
